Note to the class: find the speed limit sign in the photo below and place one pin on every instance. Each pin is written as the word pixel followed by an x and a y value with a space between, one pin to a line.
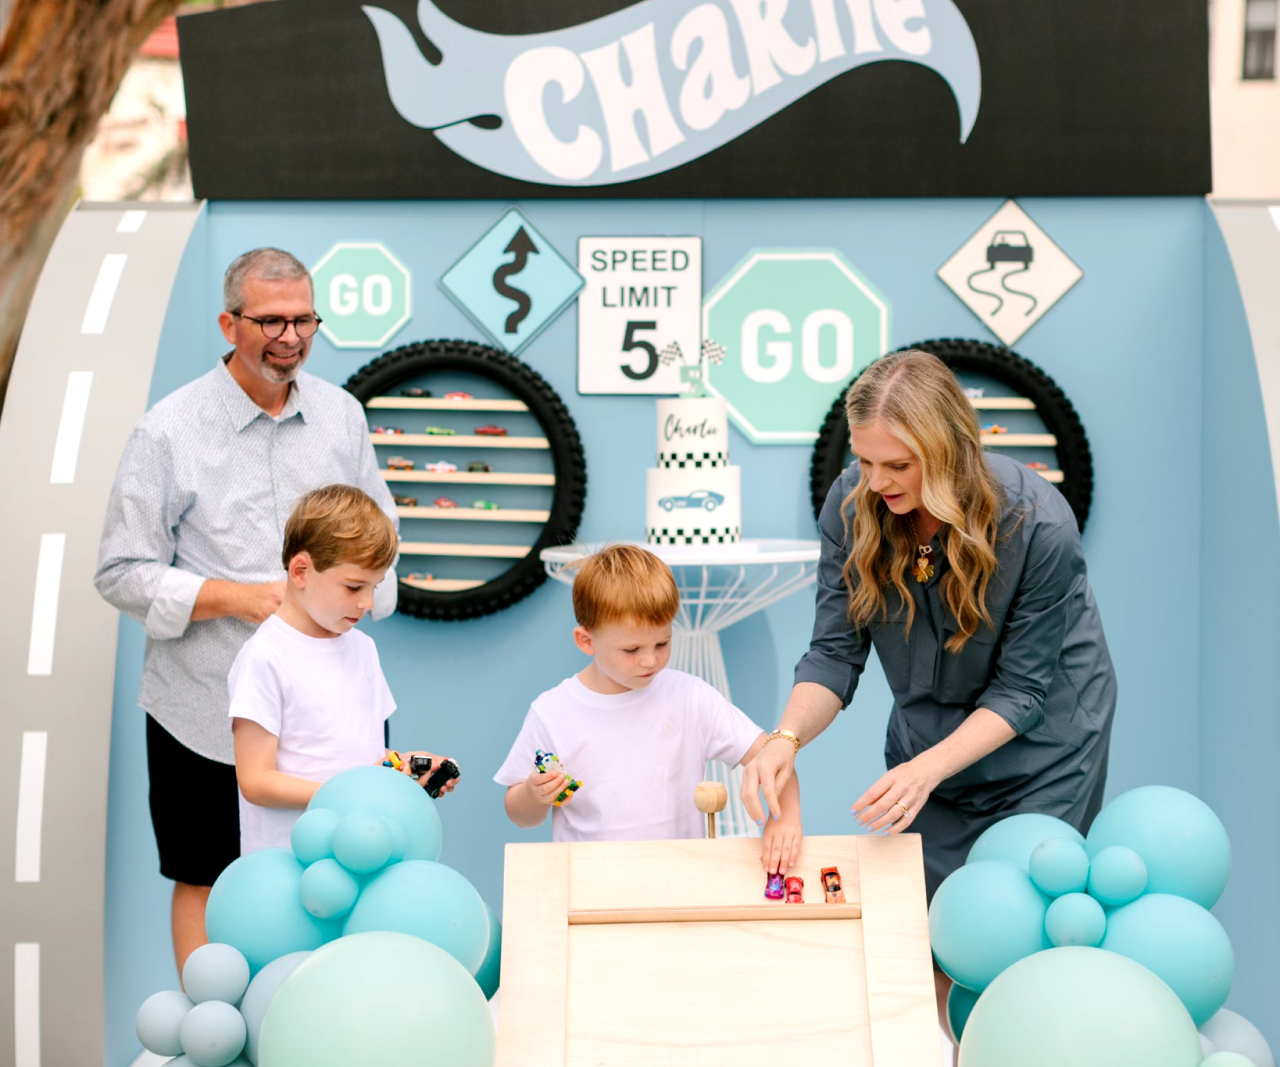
pixel 639 313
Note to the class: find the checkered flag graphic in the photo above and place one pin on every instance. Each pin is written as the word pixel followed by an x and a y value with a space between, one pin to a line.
pixel 671 353
pixel 712 351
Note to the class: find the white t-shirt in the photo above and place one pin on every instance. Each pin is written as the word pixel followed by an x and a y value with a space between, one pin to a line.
pixel 324 698
pixel 639 755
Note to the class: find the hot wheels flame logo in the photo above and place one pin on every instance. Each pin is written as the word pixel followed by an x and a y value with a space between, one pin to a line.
pixel 651 87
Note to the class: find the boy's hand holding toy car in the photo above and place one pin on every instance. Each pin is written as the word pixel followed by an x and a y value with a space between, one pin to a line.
pixel 419 765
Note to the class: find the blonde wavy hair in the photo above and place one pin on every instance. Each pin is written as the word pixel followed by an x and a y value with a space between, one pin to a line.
pixel 916 398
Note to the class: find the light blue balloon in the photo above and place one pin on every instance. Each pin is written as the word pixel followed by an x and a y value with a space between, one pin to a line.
pixel 1227 1059
pixel 394 796
pixel 1182 944
pixel 1075 919
pixel 427 900
pixel 312 835
pixel 1072 1006
pixel 159 1019
pixel 399 841
pixel 984 917
pixel 213 1034
pixel 256 906
pixel 1059 865
pixel 363 842
pixel 1181 840
pixel 489 973
pixel 1117 875
pixel 327 890
pixel 215 972
pixel 960 1002
pixel 1014 839
pixel 354 1000
pixel 257 998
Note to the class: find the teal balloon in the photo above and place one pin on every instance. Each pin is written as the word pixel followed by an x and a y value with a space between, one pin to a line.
pixel 159 1019
pixel 256 906
pixel 1182 842
pixel 1014 838
pixel 399 841
pixel 960 1002
pixel 488 973
pixel 327 890
pixel 312 835
pixel 1117 875
pixel 257 998
pixel 984 917
pixel 1179 942
pixel 394 796
pixel 363 842
pixel 1227 1059
pixel 1059 865
pixel 1069 1007
pixel 213 1034
pixel 427 900
pixel 356 1000
pixel 215 972
pixel 1075 919
pixel 1231 1032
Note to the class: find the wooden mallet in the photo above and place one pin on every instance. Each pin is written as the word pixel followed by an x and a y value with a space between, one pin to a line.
pixel 711 797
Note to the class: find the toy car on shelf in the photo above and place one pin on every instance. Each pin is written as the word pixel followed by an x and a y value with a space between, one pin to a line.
pixel 420 577
pixel 795 890
pixel 699 498
pixel 439 431
pixel 485 505
pixel 458 396
pixel 995 427
pixel 399 463
pixel 441 466
pixel 404 501
pixel 489 430
pixel 444 502
pixel 479 467
pixel 386 431
pixel 973 393
pixel 1038 466
pixel 414 390
pixel 773 886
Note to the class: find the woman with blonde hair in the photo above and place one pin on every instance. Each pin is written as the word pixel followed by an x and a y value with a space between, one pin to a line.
pixel 964 569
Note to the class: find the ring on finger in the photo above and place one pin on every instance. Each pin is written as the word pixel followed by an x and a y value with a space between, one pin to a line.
pixel 905 810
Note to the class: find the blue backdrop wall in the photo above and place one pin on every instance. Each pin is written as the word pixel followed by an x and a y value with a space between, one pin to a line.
pixel 1127 345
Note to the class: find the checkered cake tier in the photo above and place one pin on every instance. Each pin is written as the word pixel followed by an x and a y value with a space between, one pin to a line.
pixel 693 506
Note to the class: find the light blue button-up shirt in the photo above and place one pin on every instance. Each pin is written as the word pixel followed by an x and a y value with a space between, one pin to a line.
pixel 204 487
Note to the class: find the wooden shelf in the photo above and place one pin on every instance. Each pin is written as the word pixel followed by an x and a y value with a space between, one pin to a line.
pixel 432 548
pixel 480 514
pixel 1016 440
pixel 1003 403
pixel 441 440
pixel 471 477
pixel 1050 476
pixel 444 585
pixel 432 403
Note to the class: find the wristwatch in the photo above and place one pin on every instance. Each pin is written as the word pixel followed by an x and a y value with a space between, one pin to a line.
pixel 786 735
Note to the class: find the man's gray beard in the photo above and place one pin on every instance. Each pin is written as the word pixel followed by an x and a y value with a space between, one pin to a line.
pixel 277 374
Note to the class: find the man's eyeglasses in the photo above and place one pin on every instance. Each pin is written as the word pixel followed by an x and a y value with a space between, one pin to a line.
pixel 273 326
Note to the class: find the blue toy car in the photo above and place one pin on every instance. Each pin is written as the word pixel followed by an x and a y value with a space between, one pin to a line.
pixel 699 498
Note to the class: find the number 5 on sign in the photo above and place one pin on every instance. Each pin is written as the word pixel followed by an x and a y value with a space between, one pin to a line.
pixel 639 313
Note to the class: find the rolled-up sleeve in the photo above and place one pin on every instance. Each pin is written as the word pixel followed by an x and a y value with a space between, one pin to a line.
pixel 1032 637
pixel 135 556
pixel 837 651
pixel 370 479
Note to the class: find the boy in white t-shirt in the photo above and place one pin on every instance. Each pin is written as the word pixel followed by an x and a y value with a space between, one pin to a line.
pixel 636 735
pixel 308 698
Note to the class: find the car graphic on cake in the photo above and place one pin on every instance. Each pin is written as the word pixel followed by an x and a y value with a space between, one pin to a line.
pixel 491 430
pixel 441 466
pixel 399 463
pixel 439 431
pixel 699 498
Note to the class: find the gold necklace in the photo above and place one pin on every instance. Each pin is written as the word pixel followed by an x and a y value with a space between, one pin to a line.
pixel 922 569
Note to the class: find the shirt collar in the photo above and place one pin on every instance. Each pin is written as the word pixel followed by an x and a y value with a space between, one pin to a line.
pixel 242 410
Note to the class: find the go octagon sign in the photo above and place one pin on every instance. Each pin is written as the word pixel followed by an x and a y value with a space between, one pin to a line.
pixel 362 294
pixel 795 327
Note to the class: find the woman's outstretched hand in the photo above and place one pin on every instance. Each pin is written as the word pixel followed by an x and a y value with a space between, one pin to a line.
pixel 772 768
pixel 892 804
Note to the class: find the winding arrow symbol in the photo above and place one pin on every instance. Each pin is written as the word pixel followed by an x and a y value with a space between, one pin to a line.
pixel 523 247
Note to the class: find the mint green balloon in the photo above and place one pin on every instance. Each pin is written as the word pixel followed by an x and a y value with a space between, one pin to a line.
pixel 1015 837
pixel 359 999
pixel 1069 1007
pixel 1227 1059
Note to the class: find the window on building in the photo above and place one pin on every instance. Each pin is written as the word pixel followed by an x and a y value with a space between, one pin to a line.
pixel 1259 39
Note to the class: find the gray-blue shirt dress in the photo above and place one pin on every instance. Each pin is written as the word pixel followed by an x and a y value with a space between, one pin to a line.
pixel 1044 668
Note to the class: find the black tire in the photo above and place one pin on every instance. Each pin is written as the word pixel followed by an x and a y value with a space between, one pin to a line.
pixel 831 454
pixel 388 371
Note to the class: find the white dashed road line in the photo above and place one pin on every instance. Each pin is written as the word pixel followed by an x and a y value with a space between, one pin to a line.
pixel 131 222
pixel 26 861
pixel 26 1004
pixel 66 449
pixel 44 610
pixel 104 292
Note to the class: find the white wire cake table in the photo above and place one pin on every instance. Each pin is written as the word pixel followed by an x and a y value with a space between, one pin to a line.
pixel 719 585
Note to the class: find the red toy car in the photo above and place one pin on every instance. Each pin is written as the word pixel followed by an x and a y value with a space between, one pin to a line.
pixel 420 577
pixel 795 890
pixel 388 431
pixel 492 431
pixel 458 396
pixel 1037 466
pixel 444 502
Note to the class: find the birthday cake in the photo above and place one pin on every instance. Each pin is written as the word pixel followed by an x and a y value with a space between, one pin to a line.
pixel 693 496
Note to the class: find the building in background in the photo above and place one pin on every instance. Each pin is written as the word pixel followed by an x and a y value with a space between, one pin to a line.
pixel 1244 99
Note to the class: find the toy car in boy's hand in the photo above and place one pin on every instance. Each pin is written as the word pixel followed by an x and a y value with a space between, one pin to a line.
pixel 446 772
pixel 549 763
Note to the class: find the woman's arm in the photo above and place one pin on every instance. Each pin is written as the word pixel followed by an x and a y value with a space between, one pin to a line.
pixel 256 772
pixel 810 710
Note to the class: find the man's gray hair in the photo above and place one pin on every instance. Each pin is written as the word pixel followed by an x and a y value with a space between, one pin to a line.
pixel 269 264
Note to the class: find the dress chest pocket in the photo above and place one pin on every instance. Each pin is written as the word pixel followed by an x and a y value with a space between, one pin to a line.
pixel 961 677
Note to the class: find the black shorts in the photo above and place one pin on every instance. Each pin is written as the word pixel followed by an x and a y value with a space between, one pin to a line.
pixel 195 809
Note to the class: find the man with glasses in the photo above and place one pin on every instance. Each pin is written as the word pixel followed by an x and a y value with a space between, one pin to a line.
pixel 191 549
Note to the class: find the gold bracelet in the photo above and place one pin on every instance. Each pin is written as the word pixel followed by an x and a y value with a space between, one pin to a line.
pixel 785 734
